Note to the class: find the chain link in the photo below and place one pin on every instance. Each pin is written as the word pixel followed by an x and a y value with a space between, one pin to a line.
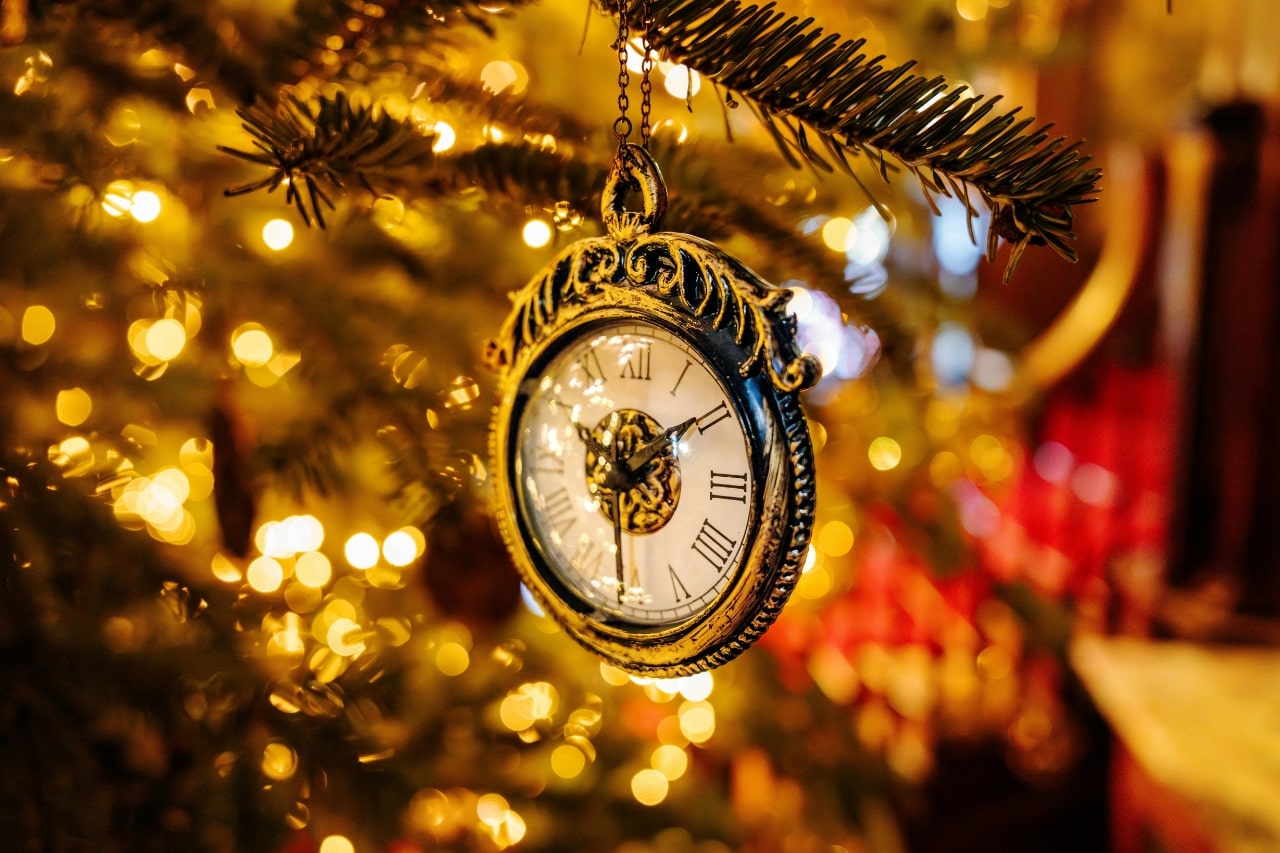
pixel 622 125
pixel 646 67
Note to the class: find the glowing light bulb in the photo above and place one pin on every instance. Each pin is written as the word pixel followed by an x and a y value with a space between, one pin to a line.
pixel 682 82
pixel 277 234
pixel 166 339
pixel 399 548
pixel 884 453
pixel 252 345
pixel 362 551
pixel 537 233
pixel 145 206
pixel 446 136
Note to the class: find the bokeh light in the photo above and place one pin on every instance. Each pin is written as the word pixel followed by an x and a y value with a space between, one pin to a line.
pixel 145 206
pixel 252 345
pixel 277 234
pixel 38 325
pixel 73 406
pixel 362 551
pixel 336 844
pixel 567 761
pixel 884 453
pixel 649 787
pixel 536 233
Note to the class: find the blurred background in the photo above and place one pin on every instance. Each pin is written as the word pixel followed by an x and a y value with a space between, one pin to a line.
pixel 252 598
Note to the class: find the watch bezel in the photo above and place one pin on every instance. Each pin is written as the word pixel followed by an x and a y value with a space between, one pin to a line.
pixel 771 557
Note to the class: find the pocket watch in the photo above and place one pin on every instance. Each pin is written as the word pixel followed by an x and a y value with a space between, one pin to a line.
pixel 652 468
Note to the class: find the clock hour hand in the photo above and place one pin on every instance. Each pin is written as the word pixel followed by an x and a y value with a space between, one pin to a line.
pixel 645 452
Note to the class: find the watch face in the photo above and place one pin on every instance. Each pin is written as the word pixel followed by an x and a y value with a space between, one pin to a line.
pixel 632 473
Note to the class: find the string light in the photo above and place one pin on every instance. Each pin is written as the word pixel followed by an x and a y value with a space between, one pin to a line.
pixel 362 551
pixel 145 206
pixel 277 234
pixel 537 233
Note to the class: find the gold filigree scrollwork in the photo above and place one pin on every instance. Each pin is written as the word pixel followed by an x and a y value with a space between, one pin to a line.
pixel 702 281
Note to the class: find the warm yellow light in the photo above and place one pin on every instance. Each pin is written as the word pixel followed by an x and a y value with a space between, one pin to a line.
pixel 344 637
pixel 613 675
pixel 123 128
pixel 224 570
pixel 361 551
pixel 649 787
pixel 73 406
pixel 537 233
pixel 492 808
pixel 696 687
pixel 166 339
pixel 670 760
pixel 199 98
pixel 400 548
pixel 279 761
pixel 835 233
pixel 252 345
pixel 265 574
pixel 313 569
pixel 884 453
pixel 567 761
pixel 337 844
pixel 300 533
pixel 446 136
pixel 498 75
pixel 697 721
pixel 277 234
pixel 38 325
pixel 452 659
pixel 118 198
pixel 145 206
pixel 682 82
pixel 835 538
pixel 972 10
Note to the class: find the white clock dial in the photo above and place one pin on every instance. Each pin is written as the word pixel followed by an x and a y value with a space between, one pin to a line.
pixel 634 473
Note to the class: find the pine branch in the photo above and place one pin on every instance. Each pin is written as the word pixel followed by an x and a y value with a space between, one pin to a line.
pixel 824 100
pixel 328 143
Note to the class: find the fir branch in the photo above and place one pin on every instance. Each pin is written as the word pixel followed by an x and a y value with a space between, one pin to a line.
pixel 823 99
pixel 522 172
pixel 330 142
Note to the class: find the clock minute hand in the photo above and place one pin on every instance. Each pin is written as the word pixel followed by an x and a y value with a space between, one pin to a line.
pixel 643 454
pixel 617 534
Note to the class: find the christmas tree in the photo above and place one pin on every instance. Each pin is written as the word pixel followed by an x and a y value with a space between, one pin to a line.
pixel 250 254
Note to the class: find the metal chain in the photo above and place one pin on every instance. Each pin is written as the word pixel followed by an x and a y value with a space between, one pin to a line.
pixel 646 67
pixel 622 124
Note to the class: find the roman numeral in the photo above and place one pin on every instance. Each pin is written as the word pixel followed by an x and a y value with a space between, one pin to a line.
pixel 637 364
pixel 546 462
pixel 712 418
pixel 590 365
pixel 678 588
pixel 728 487
pixel 680 378
pixel 558 506
pixel 587 558
pixel 713 545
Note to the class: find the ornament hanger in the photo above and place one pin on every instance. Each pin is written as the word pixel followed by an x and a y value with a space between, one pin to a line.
pixel 622 124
